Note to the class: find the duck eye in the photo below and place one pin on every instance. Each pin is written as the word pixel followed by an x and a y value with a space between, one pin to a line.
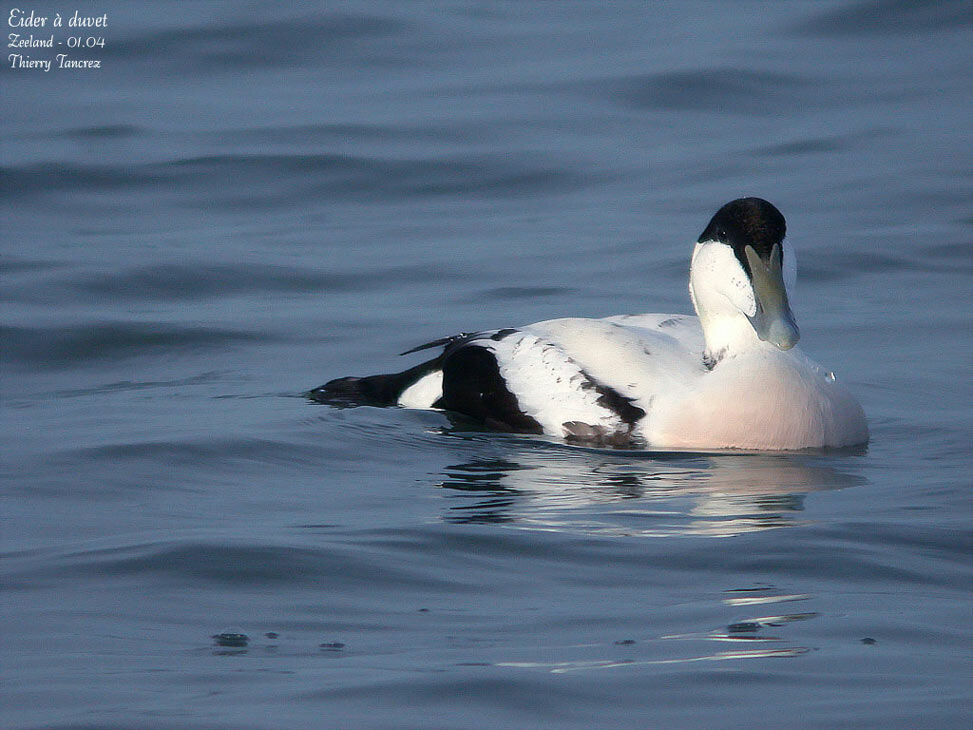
pixel 722 235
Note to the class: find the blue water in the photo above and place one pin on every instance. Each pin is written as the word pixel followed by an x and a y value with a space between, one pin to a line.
pixel 247 200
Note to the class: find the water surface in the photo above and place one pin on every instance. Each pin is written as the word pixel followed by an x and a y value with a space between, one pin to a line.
pixel 246 201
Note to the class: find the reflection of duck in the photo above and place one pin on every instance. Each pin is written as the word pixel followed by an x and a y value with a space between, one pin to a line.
pixel 713 495
pixel 729 378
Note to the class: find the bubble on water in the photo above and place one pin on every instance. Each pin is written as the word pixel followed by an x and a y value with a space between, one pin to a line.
pixel 234 639
pixel 743 626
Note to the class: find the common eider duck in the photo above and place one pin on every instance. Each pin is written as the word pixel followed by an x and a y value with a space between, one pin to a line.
pixel 731 377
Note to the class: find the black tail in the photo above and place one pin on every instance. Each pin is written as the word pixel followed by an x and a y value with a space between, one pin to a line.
pixel 372 390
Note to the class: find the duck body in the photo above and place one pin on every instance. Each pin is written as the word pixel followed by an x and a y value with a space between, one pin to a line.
pixel 730 378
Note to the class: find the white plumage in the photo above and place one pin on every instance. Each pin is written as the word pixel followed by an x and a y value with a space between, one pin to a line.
pixel 762 398
pixel 729 378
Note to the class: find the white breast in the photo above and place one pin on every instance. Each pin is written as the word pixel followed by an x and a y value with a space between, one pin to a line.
pixel 762 399
pixel 766 399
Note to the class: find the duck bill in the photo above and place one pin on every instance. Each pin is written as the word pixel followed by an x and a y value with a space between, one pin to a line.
pixel 774 321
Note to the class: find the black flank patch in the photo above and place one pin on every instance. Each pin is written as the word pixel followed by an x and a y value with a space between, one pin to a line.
pixel 473 386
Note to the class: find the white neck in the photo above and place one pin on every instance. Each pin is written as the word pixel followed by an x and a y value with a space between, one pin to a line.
pixel 722 295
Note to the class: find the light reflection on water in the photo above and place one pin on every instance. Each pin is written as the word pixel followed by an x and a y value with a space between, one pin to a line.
pixel 689 648
pixel 565 667
pixel 197 225
pixel 591 492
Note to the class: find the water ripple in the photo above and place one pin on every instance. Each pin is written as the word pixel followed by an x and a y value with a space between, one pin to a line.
pixel 723 90
pixel 97 342
pixel 281 179
pixel 231 45
pixel 336 566
pixel 889 17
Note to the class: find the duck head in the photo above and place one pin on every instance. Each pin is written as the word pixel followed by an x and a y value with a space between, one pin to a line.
pixel 739 278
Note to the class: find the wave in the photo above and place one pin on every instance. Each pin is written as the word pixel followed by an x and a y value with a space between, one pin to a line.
pixel 230 45
pixel 64 347
pixel 889 17
pixel 289 180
